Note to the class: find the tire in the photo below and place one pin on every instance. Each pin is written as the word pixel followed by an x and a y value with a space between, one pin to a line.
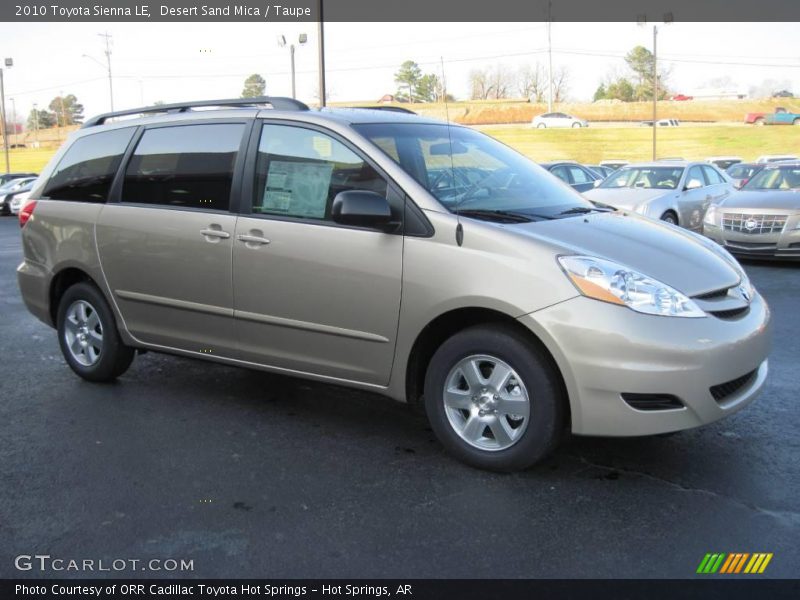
pixel 576 125
pixel 541 126
pixel 796 122
pixel 458 410
pixel 88 335
pixel 670 217
pixel 760 121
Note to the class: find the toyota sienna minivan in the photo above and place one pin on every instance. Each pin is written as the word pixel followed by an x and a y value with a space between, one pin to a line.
pixel 383 251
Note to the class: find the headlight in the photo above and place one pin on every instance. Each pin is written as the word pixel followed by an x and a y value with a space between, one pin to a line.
pixel 710 214
pixel 611 282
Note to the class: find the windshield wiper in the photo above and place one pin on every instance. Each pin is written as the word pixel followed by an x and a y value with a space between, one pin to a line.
pixel 500 215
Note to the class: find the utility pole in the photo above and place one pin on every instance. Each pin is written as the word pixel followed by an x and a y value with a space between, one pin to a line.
pixel 14 120
pixel 9 62
pixel 444 82
pixel 107 36
pixel 549 58
pixel 321 35
pixel 655 88
pixel 36 124
pixel 63 113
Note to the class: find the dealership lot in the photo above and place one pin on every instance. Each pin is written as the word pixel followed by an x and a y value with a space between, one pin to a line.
pixel 268 476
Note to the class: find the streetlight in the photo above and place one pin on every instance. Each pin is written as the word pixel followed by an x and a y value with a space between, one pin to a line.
pixel 9 62
pixel 301 40
pixel 641 21
pixel 106 67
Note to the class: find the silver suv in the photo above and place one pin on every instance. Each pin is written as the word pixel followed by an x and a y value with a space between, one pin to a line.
pixel 387 252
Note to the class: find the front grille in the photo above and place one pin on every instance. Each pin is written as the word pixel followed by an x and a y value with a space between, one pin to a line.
pixel 724 390
pixel 753 224
pixel 730 314
pixel 652 401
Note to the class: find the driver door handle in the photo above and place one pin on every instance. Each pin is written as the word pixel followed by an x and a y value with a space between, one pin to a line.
pixel 215 233
pixel 252 239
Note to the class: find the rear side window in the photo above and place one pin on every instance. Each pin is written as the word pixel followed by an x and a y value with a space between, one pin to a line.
pixel 712 176
pixel 86 171
pixel 187 166
pixel 300 171
pixel 579 175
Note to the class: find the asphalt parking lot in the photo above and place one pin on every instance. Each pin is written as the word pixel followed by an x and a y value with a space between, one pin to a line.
pixel 254 475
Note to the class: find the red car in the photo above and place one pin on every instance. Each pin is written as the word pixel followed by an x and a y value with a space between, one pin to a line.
pixel 681 97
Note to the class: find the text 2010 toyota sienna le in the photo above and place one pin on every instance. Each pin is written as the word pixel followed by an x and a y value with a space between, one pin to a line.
pixel 383 251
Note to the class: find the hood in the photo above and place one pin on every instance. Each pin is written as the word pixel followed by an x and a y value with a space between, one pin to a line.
pixel 625 198
pixel 670 254
pixel 763 200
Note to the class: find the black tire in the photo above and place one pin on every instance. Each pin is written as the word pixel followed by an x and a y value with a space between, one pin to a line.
pixel 114 357
pixel 541 126
pixel 576 125
pixel 670 217
pixel 547 402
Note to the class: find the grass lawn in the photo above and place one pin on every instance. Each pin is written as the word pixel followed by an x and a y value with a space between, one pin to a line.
pixel 592 145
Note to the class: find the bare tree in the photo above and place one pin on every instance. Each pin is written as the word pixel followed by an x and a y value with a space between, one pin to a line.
pixel 531 82
pixel 501 81
pixel 560 84
pixel 479 84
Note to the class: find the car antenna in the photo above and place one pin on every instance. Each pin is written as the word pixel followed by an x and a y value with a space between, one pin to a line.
pixel 459 227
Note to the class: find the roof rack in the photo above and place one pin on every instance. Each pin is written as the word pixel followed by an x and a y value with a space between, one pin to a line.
pixel 398 109
pixel 277 102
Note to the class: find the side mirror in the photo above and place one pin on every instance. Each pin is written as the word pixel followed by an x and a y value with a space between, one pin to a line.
pixel 693 184
pixel 361 208
pixel 597 182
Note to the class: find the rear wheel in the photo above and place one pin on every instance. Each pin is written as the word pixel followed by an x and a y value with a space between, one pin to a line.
pixel 670 217
pixel 493 399
pixel 796 122
pixel 759 121
pixel 576 125
pixel 541 126
pixel 88 335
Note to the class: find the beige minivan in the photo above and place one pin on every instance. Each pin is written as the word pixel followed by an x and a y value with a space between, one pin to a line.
pixel 387 252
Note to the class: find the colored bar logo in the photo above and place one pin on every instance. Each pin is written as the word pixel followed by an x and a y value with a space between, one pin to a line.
pixel 736 562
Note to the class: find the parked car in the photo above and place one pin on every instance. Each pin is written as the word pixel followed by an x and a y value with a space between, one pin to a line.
pixel 614 163
pixel 526 310
pixel 15 199
pixel 762 220
pixel 781 116
pixel 577 176
pixel 6 177
pixel 601 170
pixel 18 200
pixel 557 119
pixel 724 162
pixel 682 97
pixel 771 158
pixel 741 173
pixel 662 123
pixel 783 94
pixel 675 192
pixel 8 189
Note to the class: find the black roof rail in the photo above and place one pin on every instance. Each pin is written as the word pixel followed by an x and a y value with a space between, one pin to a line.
pixel 277 102
pixel 398 109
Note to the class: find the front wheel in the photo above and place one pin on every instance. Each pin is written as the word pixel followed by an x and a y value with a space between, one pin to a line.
pixel 541 126
pixel 670 217
pixel 493 399
pixel 576 125
pixel 88 336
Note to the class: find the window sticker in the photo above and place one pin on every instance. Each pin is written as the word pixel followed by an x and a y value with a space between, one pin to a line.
pixel 297 188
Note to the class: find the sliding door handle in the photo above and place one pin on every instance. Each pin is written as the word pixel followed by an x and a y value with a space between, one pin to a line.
pixel 215 233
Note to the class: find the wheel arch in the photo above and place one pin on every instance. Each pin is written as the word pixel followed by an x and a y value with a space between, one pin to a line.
pixel 61 282
pixel 451 322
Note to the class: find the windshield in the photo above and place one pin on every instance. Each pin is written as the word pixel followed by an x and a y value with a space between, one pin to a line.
pixel 742 171
pixel 784 178
pixel 469 172
pixel 658 178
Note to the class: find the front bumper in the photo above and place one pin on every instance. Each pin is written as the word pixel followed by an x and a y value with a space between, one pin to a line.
pixel 605 351
pixel 783 245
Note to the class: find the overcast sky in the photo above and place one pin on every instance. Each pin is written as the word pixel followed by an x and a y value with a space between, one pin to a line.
pixel 172 62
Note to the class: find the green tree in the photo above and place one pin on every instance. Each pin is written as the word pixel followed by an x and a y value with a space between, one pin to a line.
pixel 67 110
pixel 407 79
pixel 429 88
pixel 640 60
pixel 46 119
pixel 254 86
pixel 621 89
pixel 600 93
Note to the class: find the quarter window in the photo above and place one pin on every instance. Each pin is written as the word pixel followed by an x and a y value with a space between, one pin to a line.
pixel 188 166
pixel 87 169
pixel 579 175
pixel 299 172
